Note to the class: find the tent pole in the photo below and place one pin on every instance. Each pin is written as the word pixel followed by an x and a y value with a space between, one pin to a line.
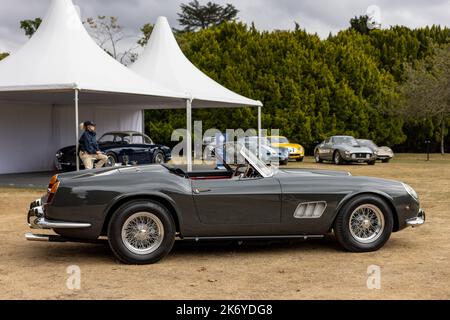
pixel 189 134
pixel 143 121
pixel 259 130
pixel 76 130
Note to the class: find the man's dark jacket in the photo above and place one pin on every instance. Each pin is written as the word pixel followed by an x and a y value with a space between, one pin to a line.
pixel 88 142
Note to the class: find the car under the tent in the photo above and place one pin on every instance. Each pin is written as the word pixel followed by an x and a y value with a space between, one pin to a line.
pixel 121 147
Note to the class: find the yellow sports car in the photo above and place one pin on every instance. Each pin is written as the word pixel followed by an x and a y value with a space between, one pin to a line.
pixel 296 151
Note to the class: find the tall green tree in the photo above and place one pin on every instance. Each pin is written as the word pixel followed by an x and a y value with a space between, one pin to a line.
pixel 146 30
pixel 30 26
pixel 360 24
pixel 195 16
pixel 426 91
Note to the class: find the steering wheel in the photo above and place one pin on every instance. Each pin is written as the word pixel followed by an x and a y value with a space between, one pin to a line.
pixel 236 171
pixel 249 172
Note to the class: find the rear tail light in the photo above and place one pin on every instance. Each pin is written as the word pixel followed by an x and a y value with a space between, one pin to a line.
pixel 52 188
pixel 52 182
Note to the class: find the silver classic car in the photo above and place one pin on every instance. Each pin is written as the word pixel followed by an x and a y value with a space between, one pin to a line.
pixel 344 149
pixel 385 154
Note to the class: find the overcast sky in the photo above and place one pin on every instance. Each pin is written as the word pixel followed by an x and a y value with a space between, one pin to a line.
pixel 316 16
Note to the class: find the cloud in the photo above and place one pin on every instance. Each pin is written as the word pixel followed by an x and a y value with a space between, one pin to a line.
pixel 316 16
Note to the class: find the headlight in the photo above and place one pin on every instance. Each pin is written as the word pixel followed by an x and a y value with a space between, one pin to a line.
pixel 375 152
pixel 347 152
pixel 410 191
pixel 59 154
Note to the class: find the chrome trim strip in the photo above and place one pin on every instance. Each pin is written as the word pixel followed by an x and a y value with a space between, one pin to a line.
pixel 36 220
pixel 42 223
pixel 306 236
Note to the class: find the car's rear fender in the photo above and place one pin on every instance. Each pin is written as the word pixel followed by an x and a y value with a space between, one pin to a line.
pixel 159 197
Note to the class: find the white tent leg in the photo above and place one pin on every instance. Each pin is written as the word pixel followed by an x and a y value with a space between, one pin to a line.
pixel 259 130
pixel 76 130
pixel 143 121
pixel 189 134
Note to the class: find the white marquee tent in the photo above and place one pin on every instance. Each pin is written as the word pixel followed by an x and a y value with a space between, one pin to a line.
pixel 61 77
pixel 40 86
pixel 163 62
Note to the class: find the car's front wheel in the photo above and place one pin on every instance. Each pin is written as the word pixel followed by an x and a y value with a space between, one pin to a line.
pixel 141 232
pixel 317 157
pixel 364 224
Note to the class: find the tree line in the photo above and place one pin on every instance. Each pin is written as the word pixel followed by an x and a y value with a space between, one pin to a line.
pixel 388 85
pixel 351 83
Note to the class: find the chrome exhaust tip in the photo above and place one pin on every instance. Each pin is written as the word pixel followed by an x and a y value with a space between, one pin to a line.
pixel 37 237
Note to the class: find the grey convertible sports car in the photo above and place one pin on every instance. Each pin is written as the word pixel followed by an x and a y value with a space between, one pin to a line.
pixel 344 149
pixel 385 154
pixel 141 210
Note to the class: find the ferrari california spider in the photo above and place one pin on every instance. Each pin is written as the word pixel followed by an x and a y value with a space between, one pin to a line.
pixel 142 210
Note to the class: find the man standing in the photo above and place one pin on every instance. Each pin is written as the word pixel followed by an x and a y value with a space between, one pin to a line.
pixel 89 149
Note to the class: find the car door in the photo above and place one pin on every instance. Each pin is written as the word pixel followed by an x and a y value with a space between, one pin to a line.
pixel 141 153
pixel 325 149
pixel 233 202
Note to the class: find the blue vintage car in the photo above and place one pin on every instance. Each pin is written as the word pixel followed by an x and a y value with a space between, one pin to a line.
pixel 127 147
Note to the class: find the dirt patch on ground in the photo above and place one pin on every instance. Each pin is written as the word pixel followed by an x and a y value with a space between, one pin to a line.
pixel 414 263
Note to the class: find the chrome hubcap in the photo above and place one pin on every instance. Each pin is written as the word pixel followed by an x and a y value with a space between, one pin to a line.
pixel 142 233
pixel 159 158
pixel 366 223
pixel 111 162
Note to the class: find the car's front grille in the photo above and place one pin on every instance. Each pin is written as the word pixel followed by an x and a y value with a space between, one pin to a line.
pixel 362 155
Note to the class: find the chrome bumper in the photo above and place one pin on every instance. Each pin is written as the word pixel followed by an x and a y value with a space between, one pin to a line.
pixel 36 220
pixel 417 221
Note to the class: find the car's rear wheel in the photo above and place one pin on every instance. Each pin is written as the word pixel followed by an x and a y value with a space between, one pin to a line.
pixel 317 157
pixel 284 162
pixel 112 159
pixel 141 232
pixel 158 157
pixel 337 158
pixel 299 159
pixel 364 224
pixel 371 163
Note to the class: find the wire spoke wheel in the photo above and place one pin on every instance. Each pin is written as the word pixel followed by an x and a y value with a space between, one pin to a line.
pixel 366 223
pixel 142 233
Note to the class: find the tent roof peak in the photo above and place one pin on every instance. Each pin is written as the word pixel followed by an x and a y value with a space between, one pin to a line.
pixel 164 61
pixel 62 52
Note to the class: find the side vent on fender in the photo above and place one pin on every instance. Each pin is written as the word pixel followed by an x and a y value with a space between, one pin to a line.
pixel 310 209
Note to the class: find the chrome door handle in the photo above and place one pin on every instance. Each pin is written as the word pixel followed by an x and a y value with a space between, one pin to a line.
pixel 198 191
